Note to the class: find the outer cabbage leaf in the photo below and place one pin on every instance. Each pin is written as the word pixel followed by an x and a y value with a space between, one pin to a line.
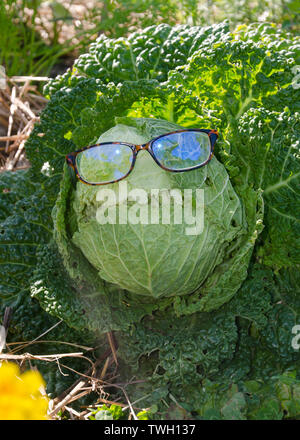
pixel 269 143
pixel 147 54
pixel 24 228
pixel 27 224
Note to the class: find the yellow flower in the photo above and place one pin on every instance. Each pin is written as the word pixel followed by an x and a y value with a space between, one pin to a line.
pixel 20 395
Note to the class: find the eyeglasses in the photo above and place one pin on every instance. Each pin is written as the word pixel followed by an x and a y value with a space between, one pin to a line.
pixel 177 151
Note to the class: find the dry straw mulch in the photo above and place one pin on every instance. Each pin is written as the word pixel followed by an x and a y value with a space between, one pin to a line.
pixel 20 107
pixel 100 377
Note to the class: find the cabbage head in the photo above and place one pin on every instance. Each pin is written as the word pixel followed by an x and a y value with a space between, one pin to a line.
pixel 157 261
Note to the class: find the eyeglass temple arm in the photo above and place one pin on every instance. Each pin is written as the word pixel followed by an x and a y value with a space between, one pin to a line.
pixel 213 136
pixel 70 160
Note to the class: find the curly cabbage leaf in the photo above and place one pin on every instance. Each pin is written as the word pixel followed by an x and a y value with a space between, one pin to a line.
pixel 234 363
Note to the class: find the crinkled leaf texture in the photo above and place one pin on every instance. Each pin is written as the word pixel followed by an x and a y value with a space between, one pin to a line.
pixel 241 83
pixel 232 363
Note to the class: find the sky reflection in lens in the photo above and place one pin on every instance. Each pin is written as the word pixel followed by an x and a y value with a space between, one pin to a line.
pixel 182 150
pixel 104 163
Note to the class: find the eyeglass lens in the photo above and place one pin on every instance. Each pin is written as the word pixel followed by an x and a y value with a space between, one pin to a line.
pixel 180 151
pixel 104 163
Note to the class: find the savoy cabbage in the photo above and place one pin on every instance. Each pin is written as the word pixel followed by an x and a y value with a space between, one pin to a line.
pixel 220 345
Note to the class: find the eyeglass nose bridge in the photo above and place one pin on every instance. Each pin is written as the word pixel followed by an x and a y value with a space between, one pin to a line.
pixel 142 147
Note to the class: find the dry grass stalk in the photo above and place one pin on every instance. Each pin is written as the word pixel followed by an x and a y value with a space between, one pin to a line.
pixel 40 357
pixel 112 345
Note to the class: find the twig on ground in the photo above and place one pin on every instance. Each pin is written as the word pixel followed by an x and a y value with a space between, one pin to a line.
pixel 66 400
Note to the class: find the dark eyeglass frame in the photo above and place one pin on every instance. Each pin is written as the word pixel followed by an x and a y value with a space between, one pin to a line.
pixel 212 134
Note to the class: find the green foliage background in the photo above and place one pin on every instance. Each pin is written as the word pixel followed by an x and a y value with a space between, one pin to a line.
pixel 24 51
